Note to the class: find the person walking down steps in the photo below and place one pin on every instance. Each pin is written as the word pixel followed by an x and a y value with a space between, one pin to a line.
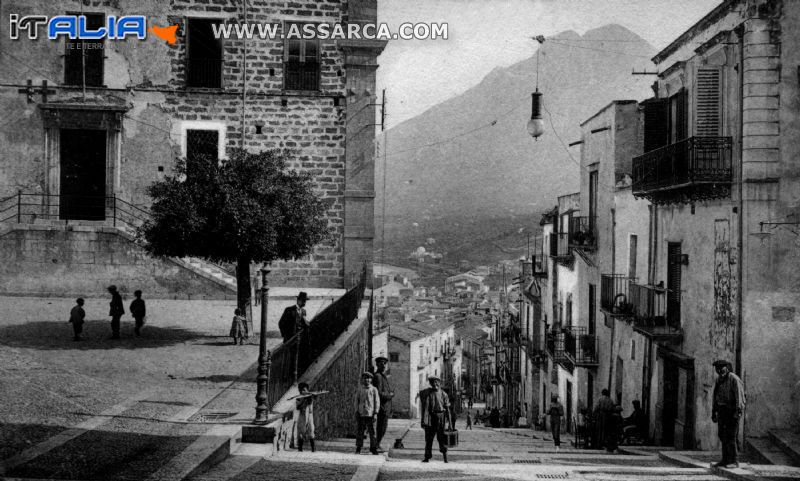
pixel 556 412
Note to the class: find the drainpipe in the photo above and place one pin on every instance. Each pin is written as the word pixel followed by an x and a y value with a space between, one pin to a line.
pixel 740 240
pixel 244 74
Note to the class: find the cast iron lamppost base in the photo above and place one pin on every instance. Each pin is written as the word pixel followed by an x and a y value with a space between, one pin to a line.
pixel 264 357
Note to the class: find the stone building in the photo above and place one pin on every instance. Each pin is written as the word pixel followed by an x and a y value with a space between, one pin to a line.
pixel 719 165
pixel 88 125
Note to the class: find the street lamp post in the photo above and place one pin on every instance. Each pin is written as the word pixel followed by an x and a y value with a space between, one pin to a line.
pixel 264 357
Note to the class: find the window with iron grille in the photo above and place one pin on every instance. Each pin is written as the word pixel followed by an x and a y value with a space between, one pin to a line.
pixel 203 54
pixel 301 62
pixel 84 59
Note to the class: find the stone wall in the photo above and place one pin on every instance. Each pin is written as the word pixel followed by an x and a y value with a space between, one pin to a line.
pixel 327 130
pixel 84 261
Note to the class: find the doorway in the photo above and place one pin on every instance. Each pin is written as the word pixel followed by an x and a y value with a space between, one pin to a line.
pixel 569 406
pixel 83 174
pixel 670 405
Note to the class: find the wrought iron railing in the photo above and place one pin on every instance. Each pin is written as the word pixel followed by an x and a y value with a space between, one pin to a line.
pixel 573 346
pixel 291 359
pixel 301 75
pixel 692 160
pixel 614 294
pixel 583 232
pixel 649 306
pixel 27 208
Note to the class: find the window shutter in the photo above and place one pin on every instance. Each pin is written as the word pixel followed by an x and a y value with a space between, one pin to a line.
pixel 656 123
pixel 681 116
pixel 708 102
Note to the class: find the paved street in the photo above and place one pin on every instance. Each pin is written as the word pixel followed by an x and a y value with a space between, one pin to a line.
pixel 105 409
pixel 482 454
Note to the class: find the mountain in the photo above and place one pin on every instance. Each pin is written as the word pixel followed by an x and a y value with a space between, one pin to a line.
pixel 470 158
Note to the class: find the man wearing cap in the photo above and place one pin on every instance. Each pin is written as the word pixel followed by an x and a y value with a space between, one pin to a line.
pixel 434 406
pixel 294 318
pixel 728 407
pixel 367 406
pixel 381 383
pixel 116 311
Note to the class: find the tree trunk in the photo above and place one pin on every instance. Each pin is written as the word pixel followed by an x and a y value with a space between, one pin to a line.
pixel 243 296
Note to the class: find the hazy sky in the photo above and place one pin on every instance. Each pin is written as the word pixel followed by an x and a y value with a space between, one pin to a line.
pixel 484 34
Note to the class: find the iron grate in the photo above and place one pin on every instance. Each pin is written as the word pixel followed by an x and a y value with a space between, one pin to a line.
pixel 527 461
pixel 552 476
pixel 209 417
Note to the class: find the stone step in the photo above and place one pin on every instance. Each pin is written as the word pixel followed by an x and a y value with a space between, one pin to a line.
pixel 765 450
pixel 789 441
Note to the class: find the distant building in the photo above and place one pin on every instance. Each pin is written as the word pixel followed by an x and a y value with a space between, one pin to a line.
pixel 464 283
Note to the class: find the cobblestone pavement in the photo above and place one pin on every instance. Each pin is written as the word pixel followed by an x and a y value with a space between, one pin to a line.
pixel 111 409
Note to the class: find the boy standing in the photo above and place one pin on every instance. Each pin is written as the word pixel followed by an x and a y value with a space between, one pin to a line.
pixel 305 417
pixel 76 316
pixel 367 406
pixel 138 312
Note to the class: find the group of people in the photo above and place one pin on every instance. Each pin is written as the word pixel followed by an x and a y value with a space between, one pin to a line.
pixel 77 315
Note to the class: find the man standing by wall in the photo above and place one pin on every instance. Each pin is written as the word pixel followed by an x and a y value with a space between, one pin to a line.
pixel 381 383
pixel 729 402
pixel 434 406
pixel 367 406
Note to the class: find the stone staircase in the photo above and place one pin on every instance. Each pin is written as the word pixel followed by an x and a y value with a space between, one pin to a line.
pixel 212 270
pixel 779 447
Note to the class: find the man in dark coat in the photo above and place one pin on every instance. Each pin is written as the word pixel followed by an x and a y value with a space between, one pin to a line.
pixel 603 410
pixel 294 318
pixel 116 311
pixel 381 382
pixel 434 406
pixel 728 407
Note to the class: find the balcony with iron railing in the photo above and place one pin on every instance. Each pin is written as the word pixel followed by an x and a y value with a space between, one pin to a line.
pixel 573 346
pixel 583 232
pixel 615 295
pixel 648 305
pixel 695 168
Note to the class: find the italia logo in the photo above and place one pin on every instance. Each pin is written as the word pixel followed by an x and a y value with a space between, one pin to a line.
pixel 75 27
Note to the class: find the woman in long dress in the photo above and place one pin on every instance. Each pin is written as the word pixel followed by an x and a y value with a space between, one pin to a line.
pixel 238 332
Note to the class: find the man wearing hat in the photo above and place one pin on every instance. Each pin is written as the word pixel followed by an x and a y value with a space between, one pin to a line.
pixel 294 318
pixel 381 383
pixel 116 311
pixel 434 406
pixel 367 406
pixel 728 407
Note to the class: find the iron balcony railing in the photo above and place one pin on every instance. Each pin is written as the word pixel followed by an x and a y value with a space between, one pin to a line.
pixel 291 359
pixel 573 346
pixel 583 232
pixel 27 208
pixel 581 346
pixel 649 306
pixel 694 160
pixel 559 245
pixel 615 295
